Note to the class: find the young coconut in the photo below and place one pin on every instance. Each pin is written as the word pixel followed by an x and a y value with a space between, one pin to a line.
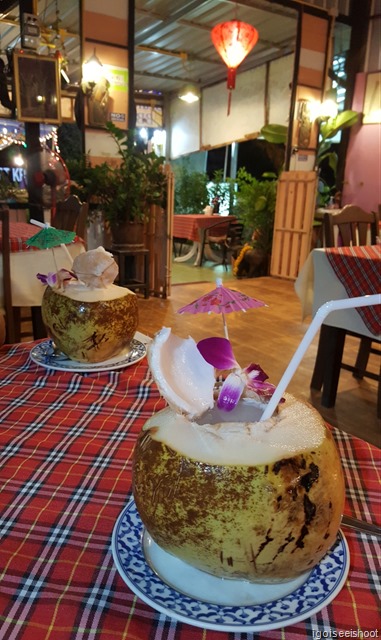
pixel 230 495
pixel 89 318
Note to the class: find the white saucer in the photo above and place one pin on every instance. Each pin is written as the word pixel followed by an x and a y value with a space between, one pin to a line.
pixel 199 599
pixel 44 354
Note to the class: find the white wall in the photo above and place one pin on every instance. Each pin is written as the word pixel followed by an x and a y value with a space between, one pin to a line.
pixel 246 114
pixel 190 132
pixel 280 89
pixel 184 127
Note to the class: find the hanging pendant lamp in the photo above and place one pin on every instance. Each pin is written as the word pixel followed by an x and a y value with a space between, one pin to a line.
pixel 233 40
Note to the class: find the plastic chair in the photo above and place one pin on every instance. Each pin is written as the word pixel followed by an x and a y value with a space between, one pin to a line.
pixel 216 234
pixel 234 240
pixel 352 226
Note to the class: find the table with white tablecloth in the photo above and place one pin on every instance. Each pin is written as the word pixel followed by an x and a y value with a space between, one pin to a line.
pixel 26 262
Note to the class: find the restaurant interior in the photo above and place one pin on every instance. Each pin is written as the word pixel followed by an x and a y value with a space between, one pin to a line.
pixel 190 293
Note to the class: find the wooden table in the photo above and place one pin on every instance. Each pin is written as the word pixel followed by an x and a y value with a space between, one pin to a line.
pixel 66 443
pixel 191 227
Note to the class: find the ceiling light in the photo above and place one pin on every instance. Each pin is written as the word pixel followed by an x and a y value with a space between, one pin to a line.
pixel 189 93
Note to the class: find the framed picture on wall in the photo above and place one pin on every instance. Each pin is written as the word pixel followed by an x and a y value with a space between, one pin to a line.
pixel 37 88
pixel 372 99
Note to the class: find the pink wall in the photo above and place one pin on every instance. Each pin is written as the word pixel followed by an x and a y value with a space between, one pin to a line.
pixel 362 184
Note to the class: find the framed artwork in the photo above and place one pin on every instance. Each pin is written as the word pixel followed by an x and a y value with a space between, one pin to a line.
pixel 37 88
pixel 372 99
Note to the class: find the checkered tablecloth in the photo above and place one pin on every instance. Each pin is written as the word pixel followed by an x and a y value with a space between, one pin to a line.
pixel 359 270
pixel 20 232
pixel 188 226
pixel 66 441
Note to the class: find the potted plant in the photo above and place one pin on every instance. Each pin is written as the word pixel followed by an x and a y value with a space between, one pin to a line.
pixel 126 191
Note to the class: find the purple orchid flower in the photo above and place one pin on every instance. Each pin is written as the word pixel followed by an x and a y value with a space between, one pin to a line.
pixel 50 279
pixel 252 379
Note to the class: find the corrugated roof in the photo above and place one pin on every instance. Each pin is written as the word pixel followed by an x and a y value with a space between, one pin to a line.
pixel 172 37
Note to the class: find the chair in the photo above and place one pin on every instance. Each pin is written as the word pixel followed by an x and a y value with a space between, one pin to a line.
pixel 216 234
pixel 352 226
pixel 234 241
pixel 71 215
pixel 6 263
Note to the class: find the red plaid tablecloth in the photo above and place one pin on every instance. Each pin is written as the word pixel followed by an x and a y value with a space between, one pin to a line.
pixel 19 232
pixel 66 441
pixel 188 226
pixel 359 270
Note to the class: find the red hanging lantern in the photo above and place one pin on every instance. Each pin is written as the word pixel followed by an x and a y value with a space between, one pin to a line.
pixel 233 40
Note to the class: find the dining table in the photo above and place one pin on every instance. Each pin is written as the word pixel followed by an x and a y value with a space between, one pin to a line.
pixel 26 262
pixel 192 227
pixel 338 273
pixel 341 273
pixel 67 436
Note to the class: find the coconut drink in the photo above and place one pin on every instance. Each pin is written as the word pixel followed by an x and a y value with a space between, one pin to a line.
pixel 220 489
pixel 89 318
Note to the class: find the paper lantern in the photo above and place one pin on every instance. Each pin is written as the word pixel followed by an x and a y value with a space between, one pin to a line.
pixel 233 40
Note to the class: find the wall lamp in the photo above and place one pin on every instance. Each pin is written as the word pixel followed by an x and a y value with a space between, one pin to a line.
pixel 92 71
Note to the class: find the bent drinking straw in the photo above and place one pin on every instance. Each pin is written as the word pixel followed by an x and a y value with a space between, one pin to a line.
pixel 322 312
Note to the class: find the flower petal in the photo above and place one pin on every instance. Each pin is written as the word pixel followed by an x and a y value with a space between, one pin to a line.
pixel 49 279
pixel 255 372
pixel 231 391
pixel 218 352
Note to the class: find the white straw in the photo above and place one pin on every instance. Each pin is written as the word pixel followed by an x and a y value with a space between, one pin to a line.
pixel 66 250
pixel 43 225
pixel 322 312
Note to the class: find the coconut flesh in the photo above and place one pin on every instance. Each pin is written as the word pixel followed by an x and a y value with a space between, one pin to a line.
pixel 234 496
pixel 89 318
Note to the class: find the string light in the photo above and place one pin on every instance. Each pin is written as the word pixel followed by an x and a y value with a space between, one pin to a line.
pixel 6 139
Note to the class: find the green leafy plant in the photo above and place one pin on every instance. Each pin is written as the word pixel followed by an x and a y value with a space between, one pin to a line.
pixel 125 191
pixel 328 129
pixel 255 207
pixel 191 191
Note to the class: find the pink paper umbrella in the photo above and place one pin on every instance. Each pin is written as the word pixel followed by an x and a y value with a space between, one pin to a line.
pixel 222 300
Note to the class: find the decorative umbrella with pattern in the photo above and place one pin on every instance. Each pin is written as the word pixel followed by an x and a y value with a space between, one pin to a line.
pixel 49 237
pixel 222 300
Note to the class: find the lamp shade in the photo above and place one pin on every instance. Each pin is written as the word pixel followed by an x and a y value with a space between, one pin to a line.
pixel 233 40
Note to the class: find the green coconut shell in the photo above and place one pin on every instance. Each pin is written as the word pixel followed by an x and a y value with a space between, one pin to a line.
pixel 265 523
pixel 90 331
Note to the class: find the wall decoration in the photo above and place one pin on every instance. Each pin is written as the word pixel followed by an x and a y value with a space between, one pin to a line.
pixel 372 99
pixel 37 88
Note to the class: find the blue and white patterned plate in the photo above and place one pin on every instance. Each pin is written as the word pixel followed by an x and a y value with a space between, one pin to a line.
pixel 45 354
pixel 179 591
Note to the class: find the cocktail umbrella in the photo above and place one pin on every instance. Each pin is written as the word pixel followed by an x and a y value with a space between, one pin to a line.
pixel 49 237
pixel 222 300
